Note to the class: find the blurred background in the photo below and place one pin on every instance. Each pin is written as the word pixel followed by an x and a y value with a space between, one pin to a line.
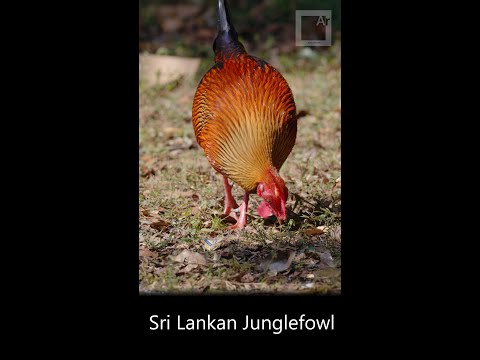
pixel 265 27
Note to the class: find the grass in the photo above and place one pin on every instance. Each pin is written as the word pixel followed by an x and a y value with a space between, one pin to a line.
pixel 181 196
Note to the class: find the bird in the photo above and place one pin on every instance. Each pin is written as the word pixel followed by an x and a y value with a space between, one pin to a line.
pixel 244 118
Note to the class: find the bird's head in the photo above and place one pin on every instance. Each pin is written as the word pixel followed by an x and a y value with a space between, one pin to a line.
pixel 274 194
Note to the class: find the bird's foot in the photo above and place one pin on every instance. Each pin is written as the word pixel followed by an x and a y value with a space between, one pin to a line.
pixel 240 224
pixel 242 219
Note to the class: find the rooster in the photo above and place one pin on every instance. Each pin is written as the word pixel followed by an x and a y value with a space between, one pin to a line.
pixel 244 118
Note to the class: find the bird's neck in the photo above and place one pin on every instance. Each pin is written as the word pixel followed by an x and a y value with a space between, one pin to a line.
pixel 227 47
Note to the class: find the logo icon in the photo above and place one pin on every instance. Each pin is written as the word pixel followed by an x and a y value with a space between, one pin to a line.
pixel 313 27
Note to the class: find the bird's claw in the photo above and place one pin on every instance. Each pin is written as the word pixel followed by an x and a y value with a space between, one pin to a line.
pixel 239 225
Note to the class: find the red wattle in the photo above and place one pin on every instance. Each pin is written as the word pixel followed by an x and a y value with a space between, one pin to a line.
pixel 264 210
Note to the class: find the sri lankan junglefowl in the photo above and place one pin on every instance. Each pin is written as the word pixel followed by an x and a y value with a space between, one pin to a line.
pixel 244 118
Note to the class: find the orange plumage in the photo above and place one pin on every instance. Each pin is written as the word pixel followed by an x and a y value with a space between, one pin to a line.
pixel 244 118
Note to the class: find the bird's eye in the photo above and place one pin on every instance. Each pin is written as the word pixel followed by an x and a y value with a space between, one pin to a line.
pixel 268 201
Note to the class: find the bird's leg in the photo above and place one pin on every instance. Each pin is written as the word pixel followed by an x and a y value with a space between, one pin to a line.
pixel 242 219
pixel 230 202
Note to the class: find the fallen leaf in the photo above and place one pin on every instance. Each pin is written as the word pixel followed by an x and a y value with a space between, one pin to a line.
pixel 326 258
pixel 187 269
pixel 247 278
pixel 280 262
pixel 146 253
pixel 190 257
pixel 160 224
pixel 314 231
pixel 229 285
pixel 147 173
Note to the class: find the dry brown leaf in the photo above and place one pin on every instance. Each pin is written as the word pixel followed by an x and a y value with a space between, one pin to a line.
pixel 229 285
pixel 315 231
pixel 147 173
pixel 187 269
pixel 247 278
pixel 146 253
pixel 190 257
pixel 159 224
